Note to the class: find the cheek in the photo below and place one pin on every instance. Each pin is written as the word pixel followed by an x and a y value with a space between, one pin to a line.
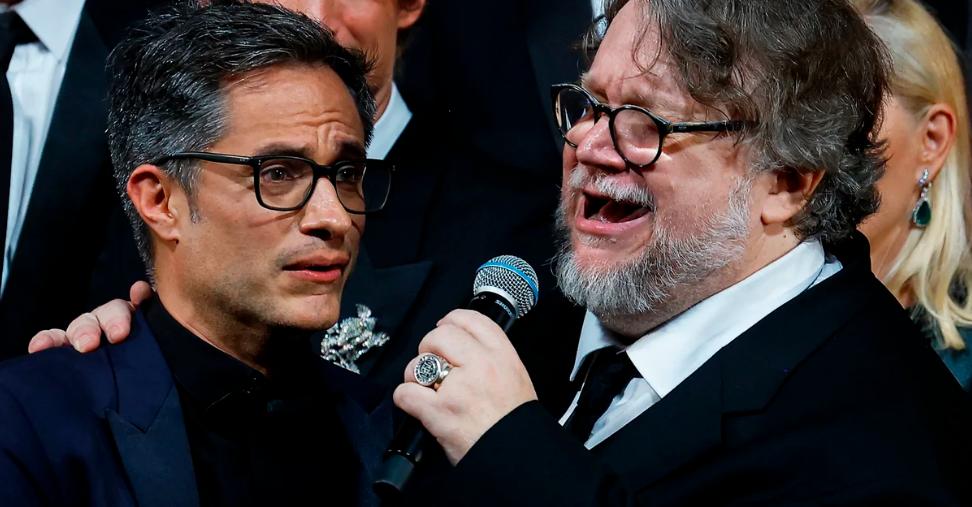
pixel 569 164
pixel 373 29
pixel 353 236
pixel 234 235
pixel 897 187
pixel 897 193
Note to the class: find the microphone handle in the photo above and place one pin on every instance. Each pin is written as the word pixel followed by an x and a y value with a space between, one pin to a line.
pixel 494 306
pixel 405 449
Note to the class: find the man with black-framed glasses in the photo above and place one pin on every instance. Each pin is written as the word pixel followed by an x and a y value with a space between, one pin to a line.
pixel 287 182
pixel 242 164
pixel 637 134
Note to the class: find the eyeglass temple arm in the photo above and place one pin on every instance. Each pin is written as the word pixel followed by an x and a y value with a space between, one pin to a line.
pixel 707 126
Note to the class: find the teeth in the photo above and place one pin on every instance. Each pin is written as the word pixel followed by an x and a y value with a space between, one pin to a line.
pixel 613 210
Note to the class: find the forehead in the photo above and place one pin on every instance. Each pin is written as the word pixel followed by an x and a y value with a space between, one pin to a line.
pixel 292 103
pixel 631 65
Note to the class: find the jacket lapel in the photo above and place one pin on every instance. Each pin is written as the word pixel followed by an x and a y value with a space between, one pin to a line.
pixel 742 377
pixel 72 191
pixel 148 426
pixel 389 292
pixel 67 177
pixel 366 415
pixel 390 270
pixel 685 424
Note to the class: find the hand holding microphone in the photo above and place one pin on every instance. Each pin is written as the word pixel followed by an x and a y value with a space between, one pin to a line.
pixel 467 375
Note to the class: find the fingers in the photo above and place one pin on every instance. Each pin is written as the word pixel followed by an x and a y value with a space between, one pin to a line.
pixel 83 332
pixel 477 325
pixel 417 401
pixel 47 340
pixel 139 292
pixel 450 343
pixel 114 318
pixel 410 370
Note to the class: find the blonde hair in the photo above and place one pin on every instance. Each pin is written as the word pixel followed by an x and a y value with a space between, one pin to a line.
pixel 934 264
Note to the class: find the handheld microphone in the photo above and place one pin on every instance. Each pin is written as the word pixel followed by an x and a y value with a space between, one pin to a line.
pixel 504 290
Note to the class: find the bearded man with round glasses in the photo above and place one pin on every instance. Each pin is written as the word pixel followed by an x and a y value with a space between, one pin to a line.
pixel 735 348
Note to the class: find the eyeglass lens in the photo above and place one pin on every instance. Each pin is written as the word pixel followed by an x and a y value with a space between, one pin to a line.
pixel 636 135
pixel 287 183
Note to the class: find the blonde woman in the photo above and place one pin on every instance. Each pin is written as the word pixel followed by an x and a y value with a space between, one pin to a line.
pixel 920 236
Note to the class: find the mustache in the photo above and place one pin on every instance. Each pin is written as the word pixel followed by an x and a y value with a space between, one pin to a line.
pixel 582 178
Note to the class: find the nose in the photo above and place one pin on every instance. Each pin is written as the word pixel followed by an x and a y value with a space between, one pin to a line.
pixel 596 148
pixel 323 215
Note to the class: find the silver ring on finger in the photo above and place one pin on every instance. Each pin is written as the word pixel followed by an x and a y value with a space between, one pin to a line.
pixel 431 370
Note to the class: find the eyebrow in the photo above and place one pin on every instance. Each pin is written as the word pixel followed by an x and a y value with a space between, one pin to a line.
pixel 639 95
pixel 585 81
pixel 345 149
pixel 352 148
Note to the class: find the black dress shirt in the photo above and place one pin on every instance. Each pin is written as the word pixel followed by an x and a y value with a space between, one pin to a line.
pixel 254 439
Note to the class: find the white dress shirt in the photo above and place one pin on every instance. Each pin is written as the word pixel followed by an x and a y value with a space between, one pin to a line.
pixel 389 126
pixel 35 74
pixel 668 354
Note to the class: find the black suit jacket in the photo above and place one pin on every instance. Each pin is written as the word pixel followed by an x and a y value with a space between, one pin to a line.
pixel 106 428
pixel 489 67
pixel 834 398
pixel 447 213
pixel 479 168
pixel 76 248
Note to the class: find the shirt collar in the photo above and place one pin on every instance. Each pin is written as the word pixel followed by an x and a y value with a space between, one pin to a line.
pixel 594 337
pixel 668 354
pixel 389 126
pixel 209 375
pixel 55 31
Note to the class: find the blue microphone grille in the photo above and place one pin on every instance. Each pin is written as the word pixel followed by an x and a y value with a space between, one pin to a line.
pixel 510 276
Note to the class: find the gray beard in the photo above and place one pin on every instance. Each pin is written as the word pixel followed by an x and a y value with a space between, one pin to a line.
pixel 668 277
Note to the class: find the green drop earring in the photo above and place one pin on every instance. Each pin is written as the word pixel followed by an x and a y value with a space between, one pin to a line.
pixel 922 214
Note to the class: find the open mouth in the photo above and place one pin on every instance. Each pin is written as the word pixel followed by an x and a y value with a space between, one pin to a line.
pixel 606 210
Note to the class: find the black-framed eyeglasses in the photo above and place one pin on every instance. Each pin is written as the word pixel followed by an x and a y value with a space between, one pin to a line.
pixel 637 133
pixel 286 183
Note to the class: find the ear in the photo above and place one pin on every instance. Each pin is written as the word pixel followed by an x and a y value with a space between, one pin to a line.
pixel 937 136
pixel 409 12
pixel 788 193
pixel 151 191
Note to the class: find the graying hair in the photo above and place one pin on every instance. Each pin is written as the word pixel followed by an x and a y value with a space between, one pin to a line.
pixel 168 78
pixel 809 78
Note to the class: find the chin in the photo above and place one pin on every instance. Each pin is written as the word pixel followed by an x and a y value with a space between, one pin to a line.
pixel 316 315
pixel 593 253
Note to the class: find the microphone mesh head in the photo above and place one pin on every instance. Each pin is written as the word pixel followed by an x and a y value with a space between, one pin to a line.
pixel 508 274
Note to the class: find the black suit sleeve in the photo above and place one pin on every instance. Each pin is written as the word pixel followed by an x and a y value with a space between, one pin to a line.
pixel 528 459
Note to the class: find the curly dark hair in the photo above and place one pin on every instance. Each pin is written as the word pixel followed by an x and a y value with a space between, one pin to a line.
pixel 807 75
pixel 168 78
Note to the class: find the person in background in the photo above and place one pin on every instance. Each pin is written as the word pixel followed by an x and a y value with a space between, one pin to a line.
pixel 243 165
pixel 62 229
pixel 921 237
